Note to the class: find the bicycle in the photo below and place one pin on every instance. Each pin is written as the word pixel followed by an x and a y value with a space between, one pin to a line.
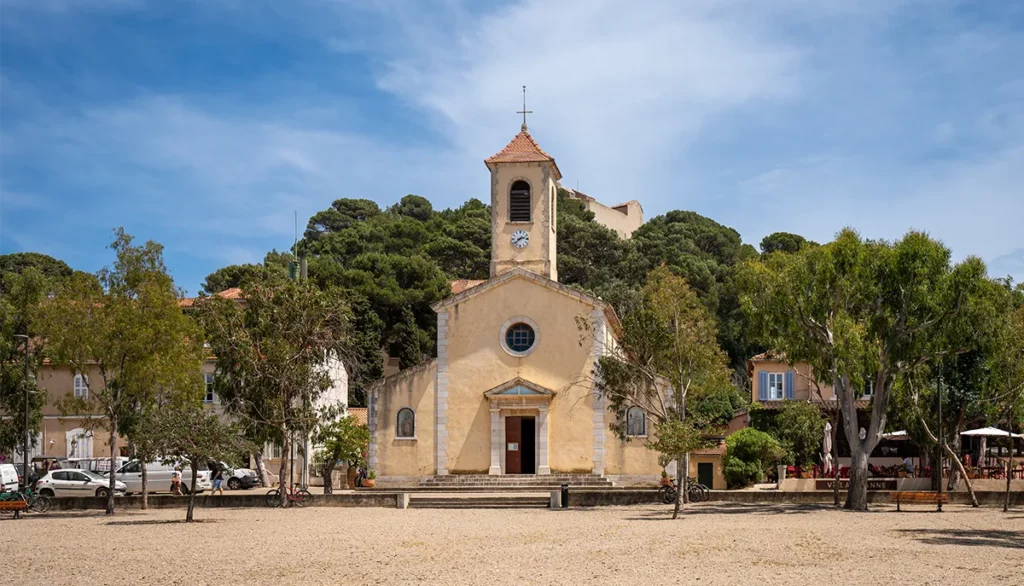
pixel 299 498
pixel 695 492
pixel 37 503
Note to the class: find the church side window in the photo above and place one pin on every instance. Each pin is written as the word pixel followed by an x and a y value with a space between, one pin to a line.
pixel 519 202
pixel 406 423
pixel 636 422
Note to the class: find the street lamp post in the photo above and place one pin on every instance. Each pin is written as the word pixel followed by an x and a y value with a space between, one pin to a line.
pixel 941 444
pixel 26 438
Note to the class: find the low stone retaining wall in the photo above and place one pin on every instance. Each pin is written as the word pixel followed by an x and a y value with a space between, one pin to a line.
pixel 618 496
pixel 577 498
pixel 360 499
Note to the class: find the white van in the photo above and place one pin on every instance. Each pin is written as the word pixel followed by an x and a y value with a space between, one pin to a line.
pixel 159 477
pixel 9 477
pixel 98 465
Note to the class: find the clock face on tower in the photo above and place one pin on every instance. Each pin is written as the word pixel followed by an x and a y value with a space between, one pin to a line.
pixel 520 238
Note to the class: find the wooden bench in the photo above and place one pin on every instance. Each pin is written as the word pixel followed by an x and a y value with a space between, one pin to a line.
pixel 919 497
pixel 14 505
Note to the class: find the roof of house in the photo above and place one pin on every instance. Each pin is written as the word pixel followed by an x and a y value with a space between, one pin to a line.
pixel 768 356
pixel 232 293
pixel 358 414
pixel 463 284
pixel 523 149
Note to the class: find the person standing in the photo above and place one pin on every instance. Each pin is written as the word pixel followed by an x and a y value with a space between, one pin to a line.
pixel 218 480
pixel 176 482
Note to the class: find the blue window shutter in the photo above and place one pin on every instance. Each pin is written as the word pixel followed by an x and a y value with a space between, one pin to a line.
pixel 789 384
pixel 762 386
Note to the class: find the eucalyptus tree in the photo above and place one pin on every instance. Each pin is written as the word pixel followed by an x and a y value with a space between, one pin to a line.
pixel 666 360
pixel 128 327
pixel 193 436
pixel 20 295
pixel 274 348
pixel 861 313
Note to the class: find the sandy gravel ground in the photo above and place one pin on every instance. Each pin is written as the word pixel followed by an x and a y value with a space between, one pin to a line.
pixel 714 544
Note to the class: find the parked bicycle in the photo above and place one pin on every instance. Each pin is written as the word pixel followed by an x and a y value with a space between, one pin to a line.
pixel 300 497
pixel 38 503
pixel 695 492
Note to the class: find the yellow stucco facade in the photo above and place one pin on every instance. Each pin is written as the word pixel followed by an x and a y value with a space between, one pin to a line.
pixel 491 403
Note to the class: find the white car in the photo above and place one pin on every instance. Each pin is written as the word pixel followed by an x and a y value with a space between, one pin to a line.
pixel 77 483
pixel 158 477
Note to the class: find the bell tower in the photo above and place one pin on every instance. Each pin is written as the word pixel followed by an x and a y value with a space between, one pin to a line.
pixel 524 187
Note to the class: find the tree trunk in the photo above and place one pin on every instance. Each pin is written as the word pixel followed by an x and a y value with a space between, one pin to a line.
pixel 261 469
pixel 283 471
pixel 937 467
pixel 113 463
pixel 192 493
pixel 686 474
pixel 955 472
pixel 328 470
pixel 1009 474
pixel 857 494
pixel 145 487
pixel 835 462
pixel 967 481
pixel 679 486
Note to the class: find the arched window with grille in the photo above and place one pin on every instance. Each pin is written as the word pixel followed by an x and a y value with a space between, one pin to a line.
pixel 636 422
pixel 406 423
pixel 519 202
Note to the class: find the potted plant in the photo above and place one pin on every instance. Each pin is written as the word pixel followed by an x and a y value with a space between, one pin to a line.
pixel 664 478
pixel 370 480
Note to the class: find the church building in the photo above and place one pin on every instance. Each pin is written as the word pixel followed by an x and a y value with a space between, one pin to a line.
pixel 511 391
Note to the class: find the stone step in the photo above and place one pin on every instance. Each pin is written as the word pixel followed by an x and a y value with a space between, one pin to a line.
pixel 481 502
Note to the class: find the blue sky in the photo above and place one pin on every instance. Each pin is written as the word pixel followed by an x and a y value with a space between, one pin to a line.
pixel 205 125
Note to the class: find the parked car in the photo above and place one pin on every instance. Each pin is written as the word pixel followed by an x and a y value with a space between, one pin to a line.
pixel 241 478
pixel 77 483
pixel 8 478
pixel 159 477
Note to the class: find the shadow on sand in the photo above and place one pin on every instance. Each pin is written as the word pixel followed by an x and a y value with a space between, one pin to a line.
pixel 160 522
pixel 665 511
pixel 975 537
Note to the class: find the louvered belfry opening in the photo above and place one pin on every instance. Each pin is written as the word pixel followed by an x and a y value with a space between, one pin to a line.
pixel 519 202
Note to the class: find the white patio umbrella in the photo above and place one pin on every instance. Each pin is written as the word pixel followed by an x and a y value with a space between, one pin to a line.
pixel 986 432
pixel 826 447
pixel 991 432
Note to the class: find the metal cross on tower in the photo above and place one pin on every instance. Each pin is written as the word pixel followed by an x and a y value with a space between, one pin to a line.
pixel 524 111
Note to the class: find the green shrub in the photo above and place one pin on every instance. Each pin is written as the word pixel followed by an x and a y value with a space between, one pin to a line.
pixel 799 427
pixel 748 455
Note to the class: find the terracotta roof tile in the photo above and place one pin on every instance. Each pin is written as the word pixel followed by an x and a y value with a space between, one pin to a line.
pixel 769 356
pixel 359 414
pixel 232 293
pixel 463 284
pixel 523 149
